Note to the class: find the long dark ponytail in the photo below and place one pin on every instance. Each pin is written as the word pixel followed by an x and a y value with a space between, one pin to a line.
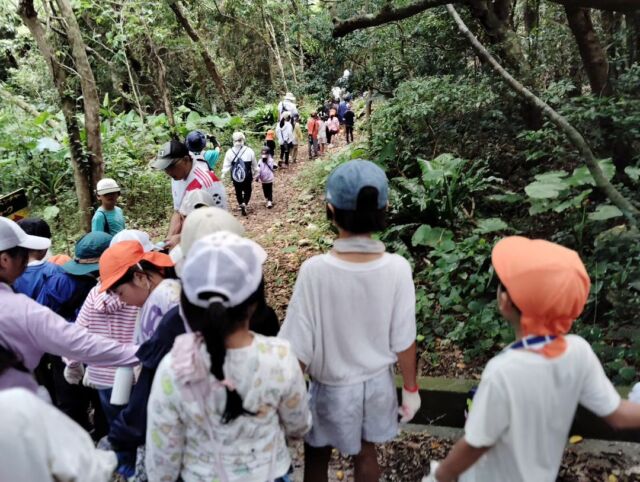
pixel 215 323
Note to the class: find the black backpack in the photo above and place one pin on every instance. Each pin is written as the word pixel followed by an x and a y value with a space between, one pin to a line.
pixel 238 169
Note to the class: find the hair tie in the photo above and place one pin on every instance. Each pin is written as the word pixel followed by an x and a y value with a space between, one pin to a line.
pixel 217 299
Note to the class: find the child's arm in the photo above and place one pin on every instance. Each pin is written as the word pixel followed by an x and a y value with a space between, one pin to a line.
pixel 626 416
pixel 461 457
pixel 293 411
pixel 408 366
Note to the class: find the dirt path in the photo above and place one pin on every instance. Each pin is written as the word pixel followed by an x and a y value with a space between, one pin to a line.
pixel 292 231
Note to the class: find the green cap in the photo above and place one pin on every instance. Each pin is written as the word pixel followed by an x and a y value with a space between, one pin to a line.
pixel 88 251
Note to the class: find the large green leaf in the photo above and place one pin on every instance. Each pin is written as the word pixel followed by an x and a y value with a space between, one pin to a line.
pixel 582 176
pixel 633 172
pixel 425 235
pixel 545 189
pixel 604 212
pixel 491 225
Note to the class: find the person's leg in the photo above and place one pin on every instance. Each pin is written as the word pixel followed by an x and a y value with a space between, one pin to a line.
pixel 247 187
pixel 328 136
pixel 238 189
pixel 294 153
pixel 365 464
pixel 282 150
pixel 110 411
pixel 267 190
pixel 286 154
pixel 316 463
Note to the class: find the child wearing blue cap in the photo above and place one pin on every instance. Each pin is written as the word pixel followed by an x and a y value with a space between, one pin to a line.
pixel 351 318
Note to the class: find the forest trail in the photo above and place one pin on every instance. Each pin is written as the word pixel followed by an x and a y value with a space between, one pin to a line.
pixel 291 230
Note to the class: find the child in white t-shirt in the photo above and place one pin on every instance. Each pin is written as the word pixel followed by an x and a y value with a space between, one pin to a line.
pixel 527 398
pixel 351 318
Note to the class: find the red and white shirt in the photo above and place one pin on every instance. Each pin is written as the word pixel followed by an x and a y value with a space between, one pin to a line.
pixel 200 177
pixel 104 314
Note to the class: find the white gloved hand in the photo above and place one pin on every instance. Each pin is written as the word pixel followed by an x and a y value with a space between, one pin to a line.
pixel 432 472
pixel 411 403
pixel 73 374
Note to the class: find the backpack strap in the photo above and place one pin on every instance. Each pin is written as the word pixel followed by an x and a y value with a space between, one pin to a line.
pixel 107 229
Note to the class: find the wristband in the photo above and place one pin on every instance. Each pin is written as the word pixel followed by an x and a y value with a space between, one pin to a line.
pixel 411 390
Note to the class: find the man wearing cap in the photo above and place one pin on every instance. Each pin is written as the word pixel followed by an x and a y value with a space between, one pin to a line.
pixel 187 174
pixel 29 330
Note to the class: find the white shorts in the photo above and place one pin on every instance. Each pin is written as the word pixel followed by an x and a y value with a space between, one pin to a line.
pixel 345 415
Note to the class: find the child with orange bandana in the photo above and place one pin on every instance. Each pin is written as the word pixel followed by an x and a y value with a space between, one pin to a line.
pixel 527 398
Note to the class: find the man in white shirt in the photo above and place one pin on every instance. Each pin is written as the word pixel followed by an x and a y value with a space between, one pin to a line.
pixel 187 174
pixel 241 162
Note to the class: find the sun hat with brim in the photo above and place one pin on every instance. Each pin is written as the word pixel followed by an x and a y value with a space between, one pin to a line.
pixel 200 223
pixel 119 258
pixel 222 267
pixel 88 251
pixel 12 236
pixel 548 283
pixel 107 186
pixel 169 154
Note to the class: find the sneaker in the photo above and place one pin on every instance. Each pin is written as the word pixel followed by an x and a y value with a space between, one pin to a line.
pixel 269 204
pixel 243 209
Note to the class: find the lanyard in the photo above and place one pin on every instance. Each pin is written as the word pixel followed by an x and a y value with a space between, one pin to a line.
pixel 533 342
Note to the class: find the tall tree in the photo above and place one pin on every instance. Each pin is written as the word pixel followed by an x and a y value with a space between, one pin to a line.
pixel 209 63
pixel 81 175
pixel 90 98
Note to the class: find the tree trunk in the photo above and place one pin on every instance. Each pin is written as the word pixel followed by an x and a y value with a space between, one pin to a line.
pixel 276 53
pixel 84 192
pixel 628 209
pixel 163 88
pixel 287 49
pixel 594 58
pixel 90 97
pixel 176 7
pixel 494 17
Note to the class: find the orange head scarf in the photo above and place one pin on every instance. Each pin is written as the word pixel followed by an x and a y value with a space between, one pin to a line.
pixel 547 282
pixel 116 261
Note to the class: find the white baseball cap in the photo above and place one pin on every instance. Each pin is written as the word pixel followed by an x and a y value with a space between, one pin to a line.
pixel 200 223
pixel 12 235
pixel 107 186
pixel 225 265
pixel 134 235
pixel 195 198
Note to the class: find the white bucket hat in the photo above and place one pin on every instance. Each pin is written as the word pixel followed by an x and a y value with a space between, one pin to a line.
pixel 12 235
pixel 107 186
pixel 222 267
pixel 238 137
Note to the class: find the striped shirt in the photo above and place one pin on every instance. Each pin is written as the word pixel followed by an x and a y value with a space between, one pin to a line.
pixel 200 177
pixel 104 314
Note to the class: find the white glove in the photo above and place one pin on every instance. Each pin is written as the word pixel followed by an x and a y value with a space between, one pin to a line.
pixel 410 405
pixel 634 394
pixel 73 374
pixel 432 472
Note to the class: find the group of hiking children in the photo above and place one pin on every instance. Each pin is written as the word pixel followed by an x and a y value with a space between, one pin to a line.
pixel 189 375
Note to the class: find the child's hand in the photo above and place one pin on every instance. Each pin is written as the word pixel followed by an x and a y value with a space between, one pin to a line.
pixel 411 403
pixel 73 374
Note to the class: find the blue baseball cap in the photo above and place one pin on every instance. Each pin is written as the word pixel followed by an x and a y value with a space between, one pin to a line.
pixel 347 180
pixel 196 141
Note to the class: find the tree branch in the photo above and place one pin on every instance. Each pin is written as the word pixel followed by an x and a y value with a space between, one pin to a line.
pixel 628 209
pixel 389 14
pixel 385 15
